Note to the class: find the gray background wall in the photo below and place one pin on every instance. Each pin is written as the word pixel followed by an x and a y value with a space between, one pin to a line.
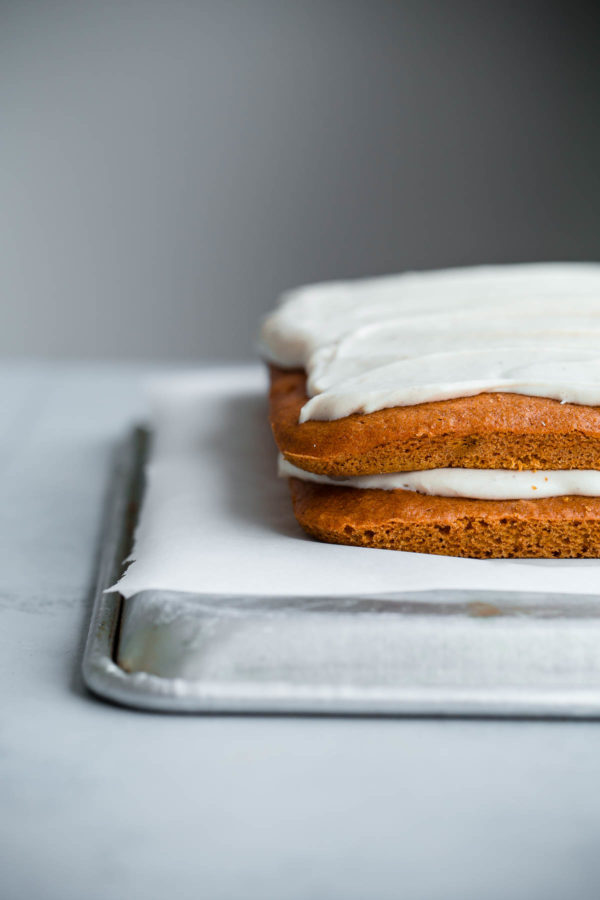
pixel 166 169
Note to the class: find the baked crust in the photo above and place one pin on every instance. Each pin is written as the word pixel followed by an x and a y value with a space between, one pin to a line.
pixel 565 527
pixel 488 431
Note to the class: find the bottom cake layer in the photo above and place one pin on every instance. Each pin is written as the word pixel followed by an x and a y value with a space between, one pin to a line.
pixel 564 527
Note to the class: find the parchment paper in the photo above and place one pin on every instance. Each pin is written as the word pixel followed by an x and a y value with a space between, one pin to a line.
pixel 216 519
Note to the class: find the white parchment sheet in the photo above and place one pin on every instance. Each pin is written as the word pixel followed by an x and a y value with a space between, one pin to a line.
pixel 216 519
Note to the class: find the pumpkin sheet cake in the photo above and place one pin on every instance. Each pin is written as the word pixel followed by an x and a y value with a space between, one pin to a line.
pixel 453 412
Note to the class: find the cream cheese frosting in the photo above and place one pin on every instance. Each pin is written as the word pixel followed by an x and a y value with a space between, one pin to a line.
pixel 418 337
pixel 479 484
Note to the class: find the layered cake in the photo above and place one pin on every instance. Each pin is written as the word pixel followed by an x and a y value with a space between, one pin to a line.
pixel 453 412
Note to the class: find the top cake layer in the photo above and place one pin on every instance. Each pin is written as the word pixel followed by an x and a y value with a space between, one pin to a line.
pixel 375 344
pixel 490 431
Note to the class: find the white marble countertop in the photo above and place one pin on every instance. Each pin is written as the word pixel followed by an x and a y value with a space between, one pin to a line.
pixel 101 802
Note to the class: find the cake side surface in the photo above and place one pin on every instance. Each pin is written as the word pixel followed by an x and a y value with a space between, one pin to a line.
pixel 486 431
pixel 557 527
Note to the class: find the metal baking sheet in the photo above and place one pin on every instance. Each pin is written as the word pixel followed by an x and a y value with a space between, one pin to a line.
pixel 494 653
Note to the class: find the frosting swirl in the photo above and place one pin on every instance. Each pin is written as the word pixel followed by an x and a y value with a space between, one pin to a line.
pixel 418 337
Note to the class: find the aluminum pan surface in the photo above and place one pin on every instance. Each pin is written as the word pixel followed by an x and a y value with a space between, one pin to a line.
pixel 439 652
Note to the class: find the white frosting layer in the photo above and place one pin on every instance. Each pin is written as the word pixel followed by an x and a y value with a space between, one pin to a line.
pixel 418 337
pixel 481 484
